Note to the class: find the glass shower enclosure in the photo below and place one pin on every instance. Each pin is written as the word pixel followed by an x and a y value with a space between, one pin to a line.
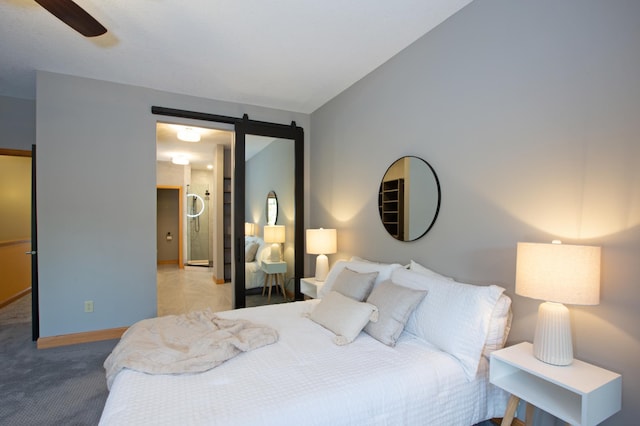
pixel 198 227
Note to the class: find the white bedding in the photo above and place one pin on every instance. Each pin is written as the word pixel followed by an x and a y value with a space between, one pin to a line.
pixel 305 378
pixel 253 274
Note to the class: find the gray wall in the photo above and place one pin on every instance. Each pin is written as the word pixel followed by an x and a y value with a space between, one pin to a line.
pixel 529 113
pixel 96 176
pixel 17 123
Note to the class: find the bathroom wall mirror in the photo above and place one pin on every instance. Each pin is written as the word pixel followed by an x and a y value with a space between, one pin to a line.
pixel 409 198
pixel 272 208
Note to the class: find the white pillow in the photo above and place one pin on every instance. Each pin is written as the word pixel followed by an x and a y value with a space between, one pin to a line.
pixel 453 316
pixel 354 284
pixel 416 267
pixel 344 316
pixel 395 303
pixel 499 326
pixel 384 271
pixel 361 259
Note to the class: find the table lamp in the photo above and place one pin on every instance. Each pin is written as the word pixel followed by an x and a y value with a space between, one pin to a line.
pixel 249 229
pixel 321 242
pixel 557 273
pixel 274 234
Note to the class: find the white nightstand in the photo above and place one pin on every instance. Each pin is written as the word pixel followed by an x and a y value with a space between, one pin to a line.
pixel 274 270
pixel 309 287
pixel 580 394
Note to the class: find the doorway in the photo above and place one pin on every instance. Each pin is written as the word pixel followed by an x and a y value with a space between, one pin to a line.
pixel 234 254
pixel 169 226
pixel 18 234
pixel 197 163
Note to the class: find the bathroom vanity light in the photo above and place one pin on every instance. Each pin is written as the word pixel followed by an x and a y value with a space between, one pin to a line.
pixel 180 160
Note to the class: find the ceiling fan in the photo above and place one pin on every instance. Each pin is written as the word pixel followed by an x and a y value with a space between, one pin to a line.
pixel 74 16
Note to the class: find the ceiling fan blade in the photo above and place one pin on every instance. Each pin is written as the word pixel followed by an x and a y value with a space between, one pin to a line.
pixel 74 16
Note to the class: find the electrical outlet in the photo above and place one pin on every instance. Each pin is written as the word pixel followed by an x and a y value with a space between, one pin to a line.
pixel 88 305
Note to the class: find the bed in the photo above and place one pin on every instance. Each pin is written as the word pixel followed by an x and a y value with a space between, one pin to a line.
pixel 255 251
pixel 312 377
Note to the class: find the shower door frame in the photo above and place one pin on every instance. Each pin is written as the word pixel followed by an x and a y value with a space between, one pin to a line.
pixel 189 230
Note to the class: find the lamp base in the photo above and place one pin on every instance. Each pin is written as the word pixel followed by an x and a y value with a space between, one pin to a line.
pixel 276 254
pixel 552 342
pixel 322 267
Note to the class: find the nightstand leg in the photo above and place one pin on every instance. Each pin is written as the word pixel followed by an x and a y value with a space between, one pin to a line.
pixel 264 285
pixel 284 293
pixel 510 412
pixel 529 415
pixel 270 279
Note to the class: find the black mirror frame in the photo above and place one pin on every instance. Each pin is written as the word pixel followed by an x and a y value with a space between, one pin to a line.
pixel 437 210
pixel 271 194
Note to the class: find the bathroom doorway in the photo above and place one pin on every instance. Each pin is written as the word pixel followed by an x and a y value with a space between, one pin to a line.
pixel 196 159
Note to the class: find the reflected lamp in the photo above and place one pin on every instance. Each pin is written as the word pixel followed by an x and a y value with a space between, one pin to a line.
pixel 321 242
pixel 557 273
pixel 275 235
pixel 249 229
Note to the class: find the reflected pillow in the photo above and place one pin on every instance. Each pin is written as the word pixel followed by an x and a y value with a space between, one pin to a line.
pixel 395 304
pixel 250 251
pixel 343 316
pixel 354 284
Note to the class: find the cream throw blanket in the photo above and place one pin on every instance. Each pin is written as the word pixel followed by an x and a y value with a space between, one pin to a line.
pixel 188 343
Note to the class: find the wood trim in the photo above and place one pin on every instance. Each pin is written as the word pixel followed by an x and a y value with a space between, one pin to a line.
pixel 14 242
pixel 15 152
pixel 15 297
pixel 75 338
pixel 218 280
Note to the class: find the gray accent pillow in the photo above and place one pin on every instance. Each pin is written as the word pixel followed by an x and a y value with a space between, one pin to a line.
pixel 395 304
pixel 355 285
pixel 250 251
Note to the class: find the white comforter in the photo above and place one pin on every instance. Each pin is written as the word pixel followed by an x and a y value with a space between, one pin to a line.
pixel 305 379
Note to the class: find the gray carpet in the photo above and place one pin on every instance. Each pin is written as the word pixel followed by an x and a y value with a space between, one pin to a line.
pixel 58 386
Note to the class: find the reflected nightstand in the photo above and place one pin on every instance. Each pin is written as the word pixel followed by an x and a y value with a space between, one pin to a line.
pixel 274 271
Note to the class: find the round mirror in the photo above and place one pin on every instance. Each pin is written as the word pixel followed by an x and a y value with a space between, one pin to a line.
pixel 409 198
pixel 272 208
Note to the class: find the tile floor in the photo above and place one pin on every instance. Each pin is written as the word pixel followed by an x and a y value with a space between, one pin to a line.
pixel 190 289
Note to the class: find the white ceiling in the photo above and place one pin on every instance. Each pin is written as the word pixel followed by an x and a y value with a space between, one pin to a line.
pixel 201 154
pixel 288 54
